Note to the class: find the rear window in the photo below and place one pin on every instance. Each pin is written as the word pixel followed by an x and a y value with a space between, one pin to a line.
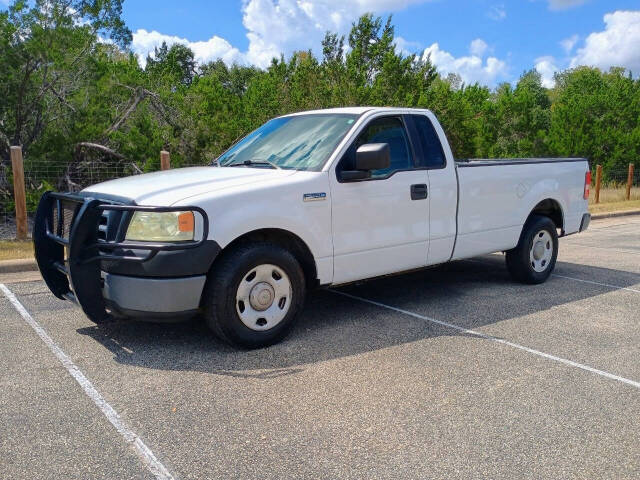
pixel 432 154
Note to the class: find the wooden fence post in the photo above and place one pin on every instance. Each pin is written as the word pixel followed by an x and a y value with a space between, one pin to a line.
pixel 165 161
pixel 629 181
pixel 598 182
pixel 19 193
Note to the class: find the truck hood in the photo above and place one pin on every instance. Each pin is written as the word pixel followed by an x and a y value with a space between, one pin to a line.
pixel 168 187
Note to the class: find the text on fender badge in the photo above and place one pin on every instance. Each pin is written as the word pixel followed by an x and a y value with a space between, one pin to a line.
pixel 314 197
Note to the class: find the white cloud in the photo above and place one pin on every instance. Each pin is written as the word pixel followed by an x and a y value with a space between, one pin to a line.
pixel 546 67
pixel 144 43
pixel 282 26
pixel 564 4
pixel 277 26
pixel 472 68
pixel 617 45
pixel 478 47
pixel 568 43
pixel 406 47
pixel 497 12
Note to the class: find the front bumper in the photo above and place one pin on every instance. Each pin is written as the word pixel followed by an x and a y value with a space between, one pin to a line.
pixel 154 298
pixel 72 248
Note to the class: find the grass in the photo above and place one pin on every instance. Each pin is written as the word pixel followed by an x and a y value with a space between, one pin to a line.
pixel 615 206
pixel 612 199
pixel 613 194
pixel 13 249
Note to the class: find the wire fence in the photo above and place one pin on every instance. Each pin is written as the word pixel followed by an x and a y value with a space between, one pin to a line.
pixel 614 185
pixel 617 177
pixel 73 176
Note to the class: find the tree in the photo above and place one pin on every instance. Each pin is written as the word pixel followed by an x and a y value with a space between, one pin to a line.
pixel 235 78
pixel 522 118
pixel 46 48
pixel 370 42
pixel 175 64
pixel 597 115
pixel 334 83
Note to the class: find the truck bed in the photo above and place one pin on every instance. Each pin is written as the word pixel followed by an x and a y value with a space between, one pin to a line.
pixel 493 203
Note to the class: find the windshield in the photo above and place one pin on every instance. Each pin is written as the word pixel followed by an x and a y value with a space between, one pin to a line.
pixel 300 142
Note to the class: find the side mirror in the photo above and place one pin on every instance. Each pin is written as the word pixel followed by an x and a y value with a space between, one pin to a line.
pixel 373 156
pixel 370 156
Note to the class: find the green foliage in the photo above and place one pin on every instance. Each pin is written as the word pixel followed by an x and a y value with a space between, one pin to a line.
pixel 175 65
pixel 520 119
pixel 63 88
pixel 33 195
pixel 597 114
pixel 46 48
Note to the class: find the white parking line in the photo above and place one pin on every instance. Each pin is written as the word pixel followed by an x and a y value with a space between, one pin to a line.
pixel 568 242
pixel 548 356
pixel 145 453
pixel 617 287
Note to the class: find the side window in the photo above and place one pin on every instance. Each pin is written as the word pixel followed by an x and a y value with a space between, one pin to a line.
pixel 432 154
pixel 382 130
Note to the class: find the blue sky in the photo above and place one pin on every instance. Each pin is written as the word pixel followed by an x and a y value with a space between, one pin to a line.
pixel 488 41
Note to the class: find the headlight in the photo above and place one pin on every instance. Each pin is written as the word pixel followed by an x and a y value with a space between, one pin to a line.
pixel 161 226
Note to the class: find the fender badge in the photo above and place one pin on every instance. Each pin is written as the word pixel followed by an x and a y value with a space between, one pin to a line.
pixel 314 197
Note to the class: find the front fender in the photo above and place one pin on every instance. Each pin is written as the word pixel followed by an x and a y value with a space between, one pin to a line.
pixel 277 206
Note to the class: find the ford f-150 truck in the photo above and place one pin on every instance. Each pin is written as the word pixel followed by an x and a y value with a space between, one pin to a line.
pixel 310 199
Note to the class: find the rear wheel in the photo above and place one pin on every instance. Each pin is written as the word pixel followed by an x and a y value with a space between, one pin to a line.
pixel 534 258
pixel 253 295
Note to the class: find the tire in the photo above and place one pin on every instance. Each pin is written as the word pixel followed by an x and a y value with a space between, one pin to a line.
pixel 253 295
pixel 534 258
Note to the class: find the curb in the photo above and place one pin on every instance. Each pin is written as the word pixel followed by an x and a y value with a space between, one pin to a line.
pixel 20 265
pixel 598 216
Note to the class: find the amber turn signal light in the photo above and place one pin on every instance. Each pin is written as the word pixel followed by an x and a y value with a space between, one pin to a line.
pixel 186 222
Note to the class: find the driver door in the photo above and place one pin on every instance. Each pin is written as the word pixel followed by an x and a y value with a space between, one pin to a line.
pixel 381 224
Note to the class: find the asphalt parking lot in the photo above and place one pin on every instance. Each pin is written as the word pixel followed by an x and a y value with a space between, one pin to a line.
pixel 450 372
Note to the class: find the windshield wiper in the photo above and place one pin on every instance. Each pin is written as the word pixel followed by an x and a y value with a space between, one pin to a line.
pixel 248 163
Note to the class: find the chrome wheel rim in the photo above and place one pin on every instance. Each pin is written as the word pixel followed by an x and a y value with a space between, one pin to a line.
pixel 263 297
pixel 541 251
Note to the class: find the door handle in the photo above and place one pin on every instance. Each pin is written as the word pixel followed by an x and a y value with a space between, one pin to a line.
pixel 419 191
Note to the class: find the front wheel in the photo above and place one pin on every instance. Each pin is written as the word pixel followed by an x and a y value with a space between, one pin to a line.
pixel 534 258
pixel 253 295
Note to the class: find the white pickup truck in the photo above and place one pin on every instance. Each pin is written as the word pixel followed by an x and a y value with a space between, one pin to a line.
pixel 310 199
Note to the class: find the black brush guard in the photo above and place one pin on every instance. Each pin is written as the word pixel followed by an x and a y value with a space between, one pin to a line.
pixel 69 251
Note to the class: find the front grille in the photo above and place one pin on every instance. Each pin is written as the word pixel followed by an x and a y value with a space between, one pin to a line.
pixel 63 213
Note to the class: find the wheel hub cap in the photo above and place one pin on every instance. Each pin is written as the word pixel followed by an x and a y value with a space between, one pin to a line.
pixel 538 250
pixel 541 252
pixel 261 296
